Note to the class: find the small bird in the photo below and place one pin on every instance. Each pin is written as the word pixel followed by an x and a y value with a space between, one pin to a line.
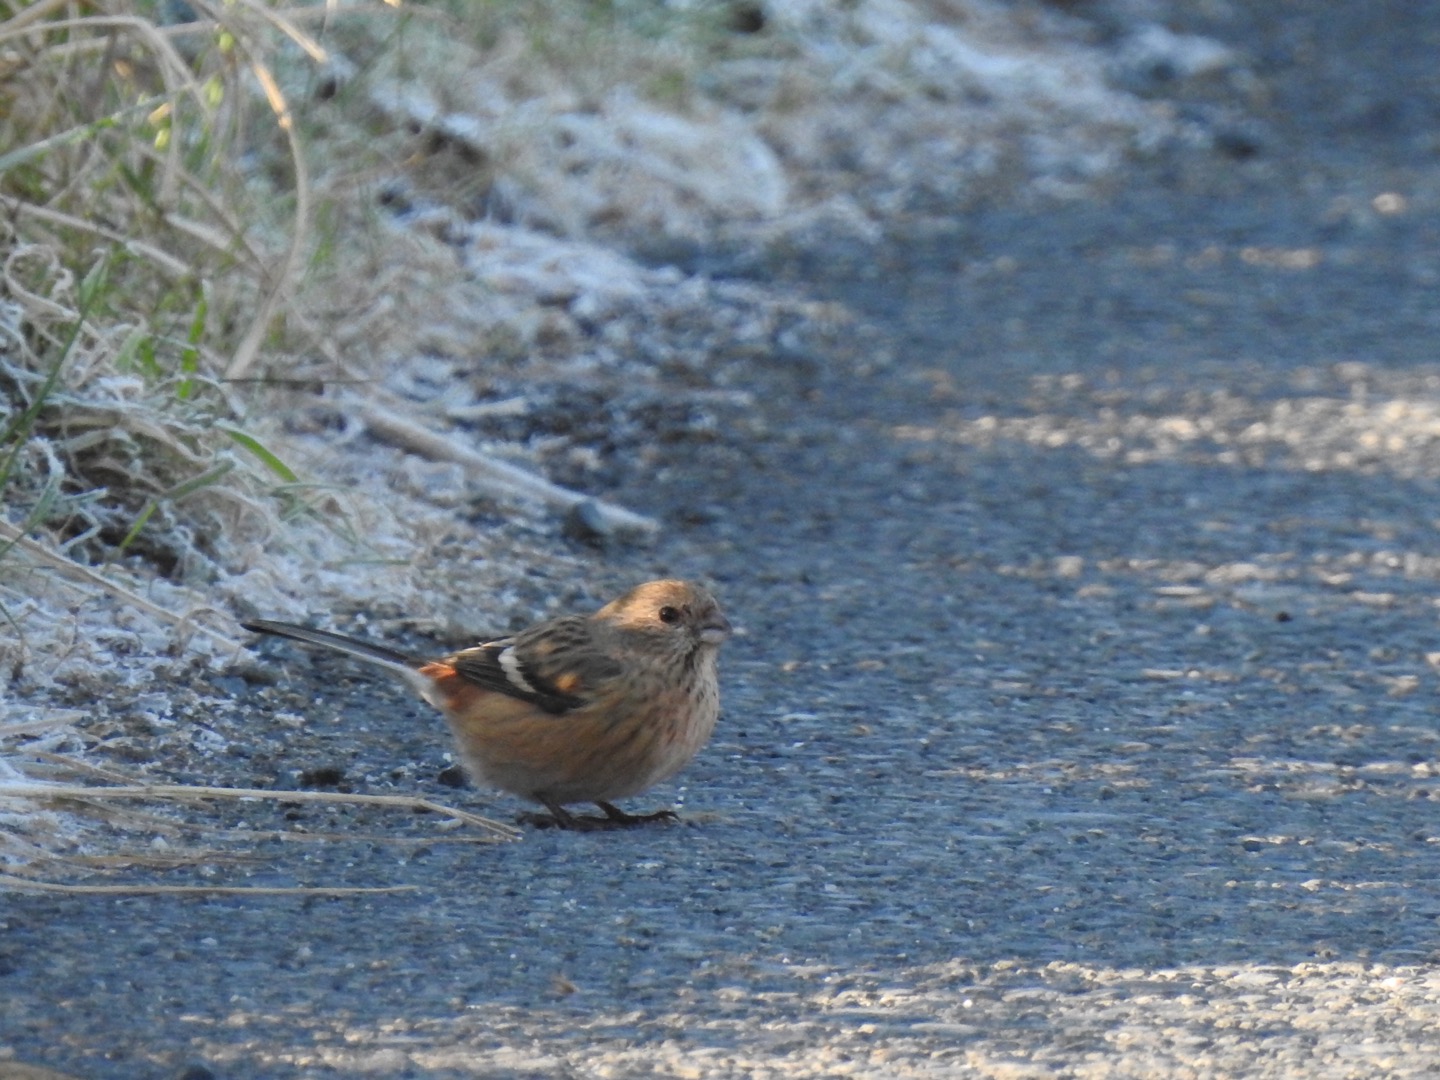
pixel 576 708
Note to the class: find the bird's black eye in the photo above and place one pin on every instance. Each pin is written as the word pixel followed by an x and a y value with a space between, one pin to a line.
pixel 669 614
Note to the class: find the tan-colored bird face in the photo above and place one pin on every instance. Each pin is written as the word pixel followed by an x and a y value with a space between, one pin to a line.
pixel 675 609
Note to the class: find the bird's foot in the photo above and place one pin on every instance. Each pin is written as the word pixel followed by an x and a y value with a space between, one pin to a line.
pixel 620 819
pixel 615 818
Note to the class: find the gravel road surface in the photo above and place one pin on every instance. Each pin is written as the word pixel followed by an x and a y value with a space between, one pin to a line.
pixel 1083 723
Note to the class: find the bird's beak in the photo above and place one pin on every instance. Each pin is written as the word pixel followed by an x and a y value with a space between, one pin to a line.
pixel 715 629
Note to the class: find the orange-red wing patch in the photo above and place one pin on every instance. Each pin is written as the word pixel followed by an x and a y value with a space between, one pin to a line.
pixel 455 692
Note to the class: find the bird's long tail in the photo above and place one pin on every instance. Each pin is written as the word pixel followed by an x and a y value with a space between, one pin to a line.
pixel 364 650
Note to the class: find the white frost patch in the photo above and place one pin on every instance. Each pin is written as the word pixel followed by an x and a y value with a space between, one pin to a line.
pixel 1184 55
pixel 876 100
pixel 545 269
pixel 567 170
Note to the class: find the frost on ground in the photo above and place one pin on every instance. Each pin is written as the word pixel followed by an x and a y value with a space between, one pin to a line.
pixel 484 281
pixel 487 276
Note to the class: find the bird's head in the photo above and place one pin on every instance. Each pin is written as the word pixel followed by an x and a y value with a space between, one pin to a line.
pixel 676 611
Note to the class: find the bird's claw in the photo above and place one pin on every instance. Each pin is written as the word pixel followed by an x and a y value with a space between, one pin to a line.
pixel 615 818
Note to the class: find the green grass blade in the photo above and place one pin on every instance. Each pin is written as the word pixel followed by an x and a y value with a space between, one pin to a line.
pixel 190 355
pixel 92 287
pixel 266 456
pixel 206 479
pixel 195 483
pixel 139 524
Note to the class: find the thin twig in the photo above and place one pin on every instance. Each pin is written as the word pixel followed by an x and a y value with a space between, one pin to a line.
pixel 8 881
pixel 496 477
pixel 167 262
pixel 279 292
pixel 72 569
pixel 38 722
pixel 500 830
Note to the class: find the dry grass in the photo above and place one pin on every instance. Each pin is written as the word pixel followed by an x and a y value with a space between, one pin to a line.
pixel 142 262
pixel 155 214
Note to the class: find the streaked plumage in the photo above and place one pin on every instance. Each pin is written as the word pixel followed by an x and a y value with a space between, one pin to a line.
pixel 577 708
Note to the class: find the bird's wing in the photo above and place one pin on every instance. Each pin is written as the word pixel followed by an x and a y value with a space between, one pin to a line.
pixel 557 665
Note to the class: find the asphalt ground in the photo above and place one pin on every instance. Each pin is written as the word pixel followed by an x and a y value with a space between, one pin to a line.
pixel 1083 720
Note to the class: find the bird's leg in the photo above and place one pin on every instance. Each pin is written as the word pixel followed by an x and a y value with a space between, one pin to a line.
pixel 620 817
pixel 558 818
pixel 615 818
